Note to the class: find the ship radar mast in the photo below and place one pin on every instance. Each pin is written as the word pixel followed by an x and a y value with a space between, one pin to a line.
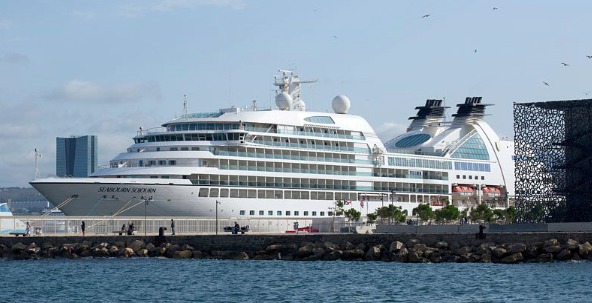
pixel 185 107
pixel 288 93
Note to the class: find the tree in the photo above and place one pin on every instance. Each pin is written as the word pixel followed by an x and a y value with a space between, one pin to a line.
pixel 372 218
pixel 511 214
pixel 392 213
pixel 353 214
pixel 447 213
pixel 481 212
pixel 424 211
pixel 499 214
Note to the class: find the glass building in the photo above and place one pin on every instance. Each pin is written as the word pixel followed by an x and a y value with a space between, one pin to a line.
pixel 76 156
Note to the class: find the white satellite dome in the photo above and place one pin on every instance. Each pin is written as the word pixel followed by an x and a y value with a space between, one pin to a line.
pixel 341 104
pixel 300 105
pixel 283 101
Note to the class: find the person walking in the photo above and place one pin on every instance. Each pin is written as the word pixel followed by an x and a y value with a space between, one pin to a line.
pixel 481 233
pixel 28 229
pixel 82 227
pixel 173 227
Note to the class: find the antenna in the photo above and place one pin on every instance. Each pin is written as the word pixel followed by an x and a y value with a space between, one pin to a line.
pixel 185 107
pixel 37 156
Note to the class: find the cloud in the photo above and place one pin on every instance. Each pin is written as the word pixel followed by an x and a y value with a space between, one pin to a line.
pixel 132 11
pixel 85 91
pixel 14 58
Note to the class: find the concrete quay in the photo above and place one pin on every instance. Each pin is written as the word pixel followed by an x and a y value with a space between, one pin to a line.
pixel 416 248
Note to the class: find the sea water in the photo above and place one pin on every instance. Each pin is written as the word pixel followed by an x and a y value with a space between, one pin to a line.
pixel 173 280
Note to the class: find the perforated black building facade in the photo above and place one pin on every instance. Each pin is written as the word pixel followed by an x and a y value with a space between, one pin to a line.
pixel 553 147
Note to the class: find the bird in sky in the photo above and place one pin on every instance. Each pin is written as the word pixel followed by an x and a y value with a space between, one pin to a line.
pixel 425 16
pixel 564 64
pixel 495 8
pixel 547 84
pixel 589 57
pixel 475 50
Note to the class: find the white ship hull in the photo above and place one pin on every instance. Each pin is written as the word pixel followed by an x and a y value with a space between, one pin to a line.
pixel 121 197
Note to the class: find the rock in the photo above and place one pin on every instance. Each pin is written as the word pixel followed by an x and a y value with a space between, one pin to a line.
pixel 396 246
pixel 18 248
pixel 333 255
pixel 552 249
pixel 415 257
pixel 442 245
pixel 462 250
pixel 306 250
pixel 565 254
pixel 499 252
pixel 516 248
pixel 412 242
pixel 353 254
pixel 142 252
pixel 402 255
pixel 420 247
pixel 572 244
pixel 136 245
pixel 328 246
pixel 486 258
pixel 99 252
pixel 513 258
pixel 551 242
pixel 183 254
pixel 483 249
pixel 373 253
pixel 126 252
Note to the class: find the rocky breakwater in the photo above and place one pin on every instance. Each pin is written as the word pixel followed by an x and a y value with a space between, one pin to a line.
pixel 411 250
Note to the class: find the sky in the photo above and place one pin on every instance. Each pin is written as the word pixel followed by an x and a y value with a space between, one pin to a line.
pixel 108 67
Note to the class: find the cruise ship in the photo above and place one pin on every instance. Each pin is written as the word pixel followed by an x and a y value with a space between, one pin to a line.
pixel 287 162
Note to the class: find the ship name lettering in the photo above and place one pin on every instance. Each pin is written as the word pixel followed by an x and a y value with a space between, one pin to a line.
pixel 127 190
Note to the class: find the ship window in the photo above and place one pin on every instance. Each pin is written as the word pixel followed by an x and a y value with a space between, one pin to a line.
pixel 251 212
pixel 214 192
pixel 314 213
pixel 242 212
pixel 322 214
pixel 473 148
pixel 412 140
pixel 203 192
pixel 270 212
pixel 287 212
pixel 320 119
pixel 261 213
pixel 482 177
pixel 172 162
pixel 305 213
pixel 279 212
pixel 296 213
pixel 161 162
pixel 174 149
pixel 224 193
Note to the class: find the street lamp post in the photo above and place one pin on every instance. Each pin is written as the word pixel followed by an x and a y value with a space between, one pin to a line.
pixel 145 221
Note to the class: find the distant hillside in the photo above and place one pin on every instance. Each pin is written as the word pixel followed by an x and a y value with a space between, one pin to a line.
pixel 19 194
